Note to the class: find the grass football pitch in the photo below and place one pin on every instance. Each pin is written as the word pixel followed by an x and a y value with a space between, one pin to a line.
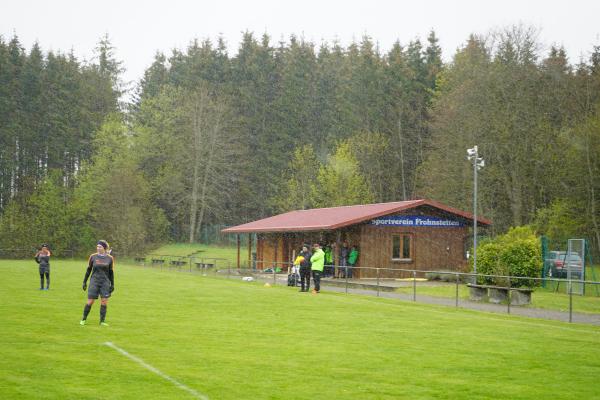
pixel 183 336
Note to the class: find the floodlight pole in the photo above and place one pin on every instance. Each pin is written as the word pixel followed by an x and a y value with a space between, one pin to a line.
pixel 473 155
pixel 475 214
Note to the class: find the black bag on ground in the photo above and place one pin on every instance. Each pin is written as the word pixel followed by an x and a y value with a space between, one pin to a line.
pixel 292 280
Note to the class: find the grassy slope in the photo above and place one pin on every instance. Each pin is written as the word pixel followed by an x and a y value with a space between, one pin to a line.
pixel 199 250
pixel 232 340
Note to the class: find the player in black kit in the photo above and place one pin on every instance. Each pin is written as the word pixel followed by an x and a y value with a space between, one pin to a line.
pixel 102 283
pixel 42 257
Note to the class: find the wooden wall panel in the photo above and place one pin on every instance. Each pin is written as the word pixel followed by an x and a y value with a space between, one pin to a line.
pixel 432 249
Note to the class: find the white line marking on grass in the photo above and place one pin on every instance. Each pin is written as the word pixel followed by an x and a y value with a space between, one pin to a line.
pixel 157 372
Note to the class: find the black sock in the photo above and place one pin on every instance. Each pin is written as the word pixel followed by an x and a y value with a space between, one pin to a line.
pixel 86 311
pixel 102 312
pixel 47 280
pixel 41 281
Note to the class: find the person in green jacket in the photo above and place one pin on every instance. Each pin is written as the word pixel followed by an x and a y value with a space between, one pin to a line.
pixel 352 258
pixel 317 262
pixel 328 254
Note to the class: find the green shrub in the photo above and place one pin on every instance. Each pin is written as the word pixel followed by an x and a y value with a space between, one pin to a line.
pixel 515 254
pixel 523 259
pixel 488 261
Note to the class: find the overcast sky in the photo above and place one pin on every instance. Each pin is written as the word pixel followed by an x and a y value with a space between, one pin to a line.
pixel 139 28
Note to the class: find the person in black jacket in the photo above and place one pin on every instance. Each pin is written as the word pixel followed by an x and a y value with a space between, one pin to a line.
pixel 102 283
pixel 305 269
pixel 42 257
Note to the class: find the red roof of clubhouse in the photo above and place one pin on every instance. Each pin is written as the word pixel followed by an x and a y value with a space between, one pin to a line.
pixel 325 219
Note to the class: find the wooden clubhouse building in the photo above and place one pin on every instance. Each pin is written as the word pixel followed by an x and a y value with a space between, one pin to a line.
pixel 415 234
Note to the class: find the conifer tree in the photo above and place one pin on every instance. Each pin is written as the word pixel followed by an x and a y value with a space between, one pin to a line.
pixel 299 178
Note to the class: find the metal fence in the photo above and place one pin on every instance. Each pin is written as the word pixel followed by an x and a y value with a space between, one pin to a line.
pixel 21 254
pixel 556 299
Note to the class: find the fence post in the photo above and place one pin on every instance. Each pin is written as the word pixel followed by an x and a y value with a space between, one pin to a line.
pixel 346 277
pixel 274 276
pixel 414 285
pixel 570 301
pixel 377 282
pixel 456 305
pixel 509 295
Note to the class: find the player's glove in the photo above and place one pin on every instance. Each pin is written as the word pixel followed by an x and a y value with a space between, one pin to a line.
pixel 84 286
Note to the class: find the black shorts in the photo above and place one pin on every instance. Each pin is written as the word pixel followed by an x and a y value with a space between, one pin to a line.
pixel 99 288
pixel 44 269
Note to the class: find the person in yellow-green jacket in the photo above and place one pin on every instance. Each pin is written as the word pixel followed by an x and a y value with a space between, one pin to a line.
pixel 317 263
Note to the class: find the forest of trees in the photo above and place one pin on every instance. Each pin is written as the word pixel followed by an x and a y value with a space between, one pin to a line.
pixel 211 138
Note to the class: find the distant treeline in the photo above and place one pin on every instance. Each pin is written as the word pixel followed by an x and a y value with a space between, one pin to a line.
pixel 212 138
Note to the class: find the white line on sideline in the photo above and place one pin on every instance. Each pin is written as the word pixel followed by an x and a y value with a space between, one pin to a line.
pixel 157 372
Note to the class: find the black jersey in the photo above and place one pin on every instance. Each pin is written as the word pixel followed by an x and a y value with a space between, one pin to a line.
pixel 101 267
pixel 43 260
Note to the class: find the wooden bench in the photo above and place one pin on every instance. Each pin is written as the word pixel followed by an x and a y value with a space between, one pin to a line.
pixel 178 263
pixel 200 265
pixel 499 294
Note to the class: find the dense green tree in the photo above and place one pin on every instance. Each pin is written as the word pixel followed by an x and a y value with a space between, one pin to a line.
pixel 294 103
pixel 299 177
pixel 15 227
pixel 186 149
pixel 581 185
pixel 109 69
pixel 456 115
pixel 50 107
pixel 33 107
pixel 372 152
pixel 39 218
pixel 560 221
pixel 397 123
pixel 433 59
pixel 154 78
pixel 339 182
pixel 364 87
pixel 47 214
pixel 255 74
pixel 113 200
pixel 499 102
pixel 333 115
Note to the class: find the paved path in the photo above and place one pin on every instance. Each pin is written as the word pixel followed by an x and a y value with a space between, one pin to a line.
pixel 387 287
pixel 593 319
